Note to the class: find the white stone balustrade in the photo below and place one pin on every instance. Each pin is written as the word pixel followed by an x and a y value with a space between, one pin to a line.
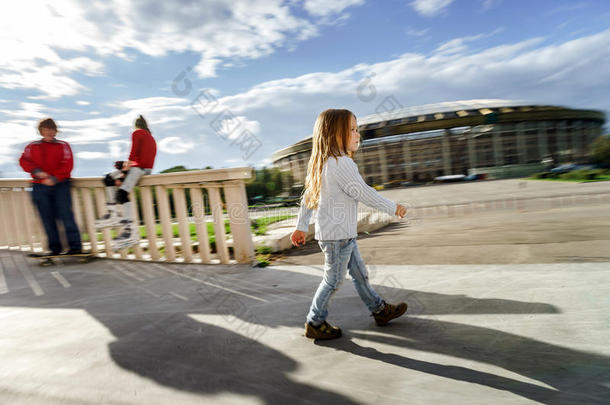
pixel 223 189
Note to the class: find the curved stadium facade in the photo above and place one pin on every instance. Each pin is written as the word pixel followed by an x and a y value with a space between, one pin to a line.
pixel 500 138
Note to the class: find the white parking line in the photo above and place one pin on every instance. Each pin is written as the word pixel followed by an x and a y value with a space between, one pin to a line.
pixel 128 274
pixel 61 279
pixel 183 298
pixel 136 268
pixel 3 286
pixel 27 274
pixel 208 283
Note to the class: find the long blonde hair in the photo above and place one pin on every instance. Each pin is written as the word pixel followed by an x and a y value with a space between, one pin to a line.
pixel 331 134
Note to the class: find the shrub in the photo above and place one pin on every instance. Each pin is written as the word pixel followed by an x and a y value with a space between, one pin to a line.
pixel 544 175
pixel 264 250
pixel 260 230
pixel 573 175
pixel 262 261
pixel 582 174
pixel 589 174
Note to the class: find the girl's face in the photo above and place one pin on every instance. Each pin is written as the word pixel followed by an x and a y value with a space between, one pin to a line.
pixel 354 136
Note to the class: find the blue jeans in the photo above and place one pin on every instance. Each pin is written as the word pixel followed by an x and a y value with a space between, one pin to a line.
pixel 55 203
pixel 339 256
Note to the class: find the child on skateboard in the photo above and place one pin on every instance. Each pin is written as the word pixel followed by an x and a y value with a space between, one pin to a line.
pixel 49 161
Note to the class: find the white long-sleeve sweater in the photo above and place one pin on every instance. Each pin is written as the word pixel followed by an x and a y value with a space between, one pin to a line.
pixel 341 189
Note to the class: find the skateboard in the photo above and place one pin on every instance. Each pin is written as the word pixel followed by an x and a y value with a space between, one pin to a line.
pixel 47 260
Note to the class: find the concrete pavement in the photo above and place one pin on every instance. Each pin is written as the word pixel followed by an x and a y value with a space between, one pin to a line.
pixel 114 332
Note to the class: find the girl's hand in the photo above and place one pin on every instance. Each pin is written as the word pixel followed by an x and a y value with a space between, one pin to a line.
pixel 298 238
pixel 401 211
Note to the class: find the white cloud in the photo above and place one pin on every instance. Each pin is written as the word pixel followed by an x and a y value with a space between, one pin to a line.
pixel 220 31
pixel 430 8
pixel 323 8
pixel 13 134
pixel 489 4
pixel 417 33
pixel 32 37
pixel 571 73
pixel 458 45
pixel 280 112
pixel 232 128
pixel 27 111
pixel 119 150
pixel 91 155
pixel 148 104
pixel 83 102
pixel 175 145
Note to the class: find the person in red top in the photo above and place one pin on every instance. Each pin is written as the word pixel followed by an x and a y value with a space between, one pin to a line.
pixel 49 161
pixel 121 181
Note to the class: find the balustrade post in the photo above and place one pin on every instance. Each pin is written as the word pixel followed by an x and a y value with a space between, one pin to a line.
pixel 100 201
pixel 28 221
pixel 90 218
pixel 198 212
pixel 137 249
pixel 183 225
pixel 76 208
pixel 237 208
pixel 17 215
pixel 39 235
pixel 5 234
pixel 219 224
pixel 149 220
pixel 166 223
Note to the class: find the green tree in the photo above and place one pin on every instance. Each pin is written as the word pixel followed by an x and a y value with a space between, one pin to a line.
pixel 599 152
pixel 267 183
pixel 174 169
pixel 181 168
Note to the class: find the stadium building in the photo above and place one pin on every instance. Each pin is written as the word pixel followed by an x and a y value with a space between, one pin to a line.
pixel 498 138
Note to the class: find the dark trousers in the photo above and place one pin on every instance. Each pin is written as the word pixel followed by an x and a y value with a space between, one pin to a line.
pixel 55 203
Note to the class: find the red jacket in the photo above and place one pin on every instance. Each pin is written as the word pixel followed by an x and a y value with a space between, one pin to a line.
pixel 143 149
pixel 54 158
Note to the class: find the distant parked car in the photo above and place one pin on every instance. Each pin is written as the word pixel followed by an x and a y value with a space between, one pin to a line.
pixel 392 184
pixel 473 177
pixel 449 178
pixel 569 167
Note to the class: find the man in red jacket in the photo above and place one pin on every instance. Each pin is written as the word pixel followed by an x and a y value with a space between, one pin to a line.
pixel 120 182
pixel 50 162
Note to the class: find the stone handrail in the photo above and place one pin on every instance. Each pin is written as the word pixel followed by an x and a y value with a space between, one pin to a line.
pixel 20 227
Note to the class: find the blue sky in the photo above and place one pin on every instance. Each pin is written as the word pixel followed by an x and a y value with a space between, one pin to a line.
pixel 268 67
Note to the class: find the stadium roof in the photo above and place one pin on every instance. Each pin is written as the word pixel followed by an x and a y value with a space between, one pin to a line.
pixel 446 106
pixel 422 121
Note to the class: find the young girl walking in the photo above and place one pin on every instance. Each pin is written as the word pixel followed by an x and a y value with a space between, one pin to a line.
pixel 334 187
